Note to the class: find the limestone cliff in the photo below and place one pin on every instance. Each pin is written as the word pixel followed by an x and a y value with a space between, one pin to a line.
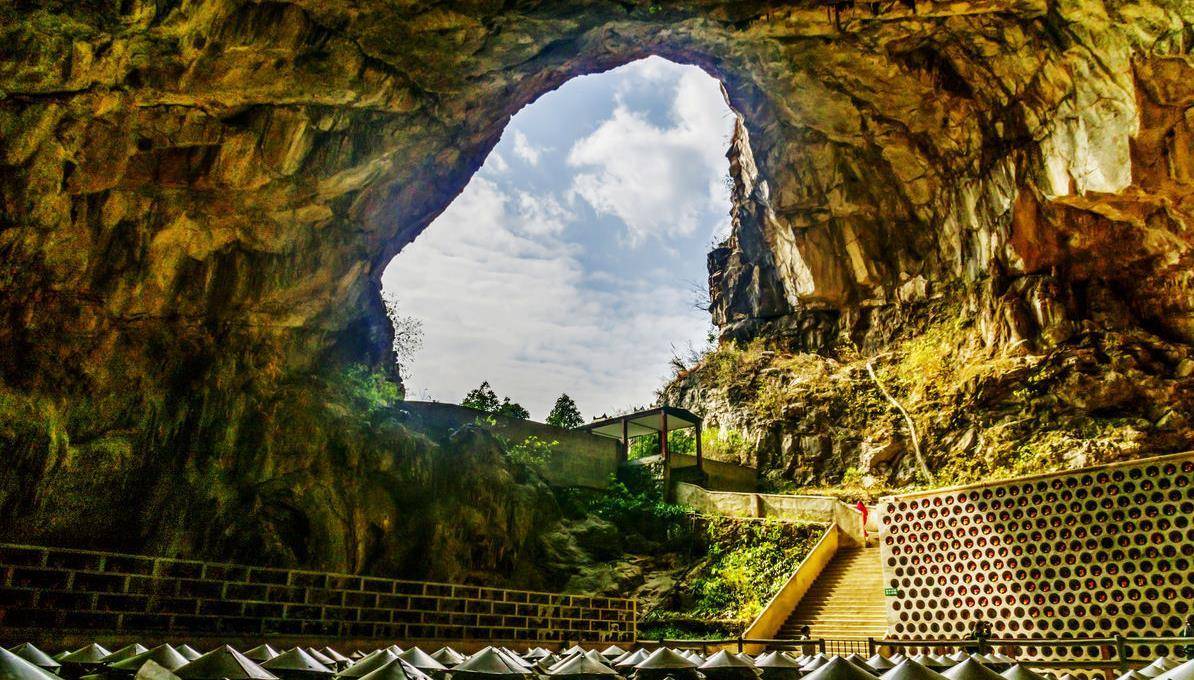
pixel 198 197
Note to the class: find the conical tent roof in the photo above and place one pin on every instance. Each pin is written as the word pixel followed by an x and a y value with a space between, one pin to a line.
pixel 126 652
pixel 396 669
pixel 421 660
pixel 612 652
pixel 776 660
pixel 151 670
pixel 814 663
pixel 665 658
pixel 163 655
pixel 489 661
pixel 898 659
pixel 188 651
pixel 724 659
pixel 61 655
pixel 632 659
pixel 930 661
pixel 321 657
pixel 1161 665
pixel 911 670
pixel 368 664
pixel 536 653
pixel 1182 672
pixel 224 663
pixel 861 663
pixel 89 655
pixel 13 667
pixel 296 660
pixel 515 659
pixel 447 656
pixel 335 656
pixel 595 656
pixel 35 656
pixel 395 649
pixel 971 669
pixel 582 665
pixel 261 653
pixel 880 663
pixel 1019 672
pixel 838 668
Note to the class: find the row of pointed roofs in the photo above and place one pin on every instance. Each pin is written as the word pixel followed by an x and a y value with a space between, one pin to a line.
pixel 27 662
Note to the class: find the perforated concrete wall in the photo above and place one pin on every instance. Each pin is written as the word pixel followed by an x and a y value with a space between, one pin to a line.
pixel 1088 553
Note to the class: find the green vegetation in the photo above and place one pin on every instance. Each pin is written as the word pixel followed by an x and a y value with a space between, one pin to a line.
pixel 565 414
pixel 484 399
pixel 408 333
pixel 980 412
pixel 743 565
pixel 727 445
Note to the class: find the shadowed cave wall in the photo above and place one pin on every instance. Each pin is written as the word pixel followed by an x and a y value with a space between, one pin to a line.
pixel 199 198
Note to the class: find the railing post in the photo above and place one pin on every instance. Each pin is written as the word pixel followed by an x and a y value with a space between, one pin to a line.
pixel 1121 653
pixel 740 647
pixel 821 645
pixel 870 647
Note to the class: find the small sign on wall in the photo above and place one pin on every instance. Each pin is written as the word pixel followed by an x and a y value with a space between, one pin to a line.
pixel 891 592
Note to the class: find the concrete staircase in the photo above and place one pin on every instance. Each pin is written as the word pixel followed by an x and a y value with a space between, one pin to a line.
pixel 846 601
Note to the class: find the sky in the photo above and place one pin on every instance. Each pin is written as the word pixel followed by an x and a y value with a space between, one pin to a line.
pixel 567 264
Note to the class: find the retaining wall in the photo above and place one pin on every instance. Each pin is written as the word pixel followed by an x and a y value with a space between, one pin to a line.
pixel 581 459
pixel 54 591
pixel 788 508
pixel 1084 553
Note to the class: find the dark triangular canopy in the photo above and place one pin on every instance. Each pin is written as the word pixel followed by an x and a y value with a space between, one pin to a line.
pixel 296 660
pixel 861 663
pixel 261 653
pixel 971 669
pixel 489 662
pixel 90 655
pixel 126 652
pixel 335 656
pixel 582 666
pixel 368 664
pixel 724 659
pixel 1160 666
pixel 1182 672
pixel 321 657
pixel 777 660
pixel 1019 672
pixel 838 668
pixel 911 670
pixel 665 658
pixel 224 663
pixel 880 663
pixel 396 669
pixel 163 655
pixel 612 652
pixel 35 656
pixel 421 660
pixel 447 656
pixel 632 659
pixel 13 667
pixel 188 651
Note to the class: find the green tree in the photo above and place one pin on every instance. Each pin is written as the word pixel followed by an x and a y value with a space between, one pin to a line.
pixel 485 399
pixel 408 334
pixel 565 414
pixel 482 398
pixel 512 409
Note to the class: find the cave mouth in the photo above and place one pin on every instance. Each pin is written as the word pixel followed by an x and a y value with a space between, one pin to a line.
pixel 574 261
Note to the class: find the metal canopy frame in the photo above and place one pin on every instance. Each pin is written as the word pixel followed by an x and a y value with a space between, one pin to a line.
pixel 658 420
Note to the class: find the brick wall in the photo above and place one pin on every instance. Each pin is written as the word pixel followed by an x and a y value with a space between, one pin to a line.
pixel 77 590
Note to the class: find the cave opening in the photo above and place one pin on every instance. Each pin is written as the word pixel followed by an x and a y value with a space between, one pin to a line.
pixel 574 261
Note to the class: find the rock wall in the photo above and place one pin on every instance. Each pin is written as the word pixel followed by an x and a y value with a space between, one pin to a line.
pixel 198 198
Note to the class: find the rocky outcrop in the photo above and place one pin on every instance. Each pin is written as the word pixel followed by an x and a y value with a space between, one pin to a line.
pixel 198 197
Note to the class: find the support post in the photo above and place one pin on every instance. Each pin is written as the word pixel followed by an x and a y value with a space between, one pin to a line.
pixel 698 447
pixel 663 451
pixel 625 439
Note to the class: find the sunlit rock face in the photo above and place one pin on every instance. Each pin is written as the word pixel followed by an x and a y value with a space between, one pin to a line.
pixel 198 198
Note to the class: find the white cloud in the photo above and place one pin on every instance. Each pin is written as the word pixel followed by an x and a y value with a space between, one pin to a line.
pixel 508 304
pixel 524 149
pixel 648 176
pixel 496 164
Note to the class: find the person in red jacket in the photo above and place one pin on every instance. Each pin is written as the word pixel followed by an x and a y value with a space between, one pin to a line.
pixel 862 509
